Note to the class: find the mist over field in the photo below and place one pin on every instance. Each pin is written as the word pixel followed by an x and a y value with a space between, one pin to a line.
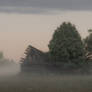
pixel 47 83
pixel 39 79
pixel 9 69
pixel 47 46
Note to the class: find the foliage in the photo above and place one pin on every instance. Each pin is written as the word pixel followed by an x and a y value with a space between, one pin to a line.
pixel 5 61
pixel 1 55
pixel 88 47
pixel 66 45
pixel 90 30
pixel 88 42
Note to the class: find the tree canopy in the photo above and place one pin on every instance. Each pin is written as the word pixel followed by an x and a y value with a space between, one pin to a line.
pixel 66 45
pixel 88 41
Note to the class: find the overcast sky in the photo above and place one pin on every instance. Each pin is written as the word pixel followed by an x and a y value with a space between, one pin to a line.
pixel 24 22
pixel 39 6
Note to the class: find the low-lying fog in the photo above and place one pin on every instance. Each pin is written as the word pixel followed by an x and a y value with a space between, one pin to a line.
pixel 9 69
pixel 40 82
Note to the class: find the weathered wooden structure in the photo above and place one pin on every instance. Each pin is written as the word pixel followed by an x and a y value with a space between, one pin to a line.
pixel 35 60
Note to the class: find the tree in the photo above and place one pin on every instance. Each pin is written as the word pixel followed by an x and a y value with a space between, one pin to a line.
pixel 5 61
pixel 88 42
pixel 1 55
pixel 90 30
pixel 88 45
pixel 66 45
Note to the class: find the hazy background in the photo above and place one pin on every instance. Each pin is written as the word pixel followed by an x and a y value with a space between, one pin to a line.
pixel 24 22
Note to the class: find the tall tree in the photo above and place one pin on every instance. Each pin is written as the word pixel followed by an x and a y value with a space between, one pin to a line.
pixel 88 45
pixel 88 41
pixel 66 45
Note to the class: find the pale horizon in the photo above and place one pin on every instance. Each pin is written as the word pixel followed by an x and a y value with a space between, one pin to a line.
pixel 17 31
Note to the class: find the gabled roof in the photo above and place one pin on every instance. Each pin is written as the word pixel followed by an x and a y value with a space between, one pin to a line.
pixel 34 56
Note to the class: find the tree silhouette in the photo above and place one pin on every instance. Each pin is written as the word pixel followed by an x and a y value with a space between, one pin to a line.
pixel 66 45
pixel 88 44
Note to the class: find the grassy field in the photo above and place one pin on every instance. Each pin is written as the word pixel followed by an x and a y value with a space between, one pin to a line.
pixel 46 83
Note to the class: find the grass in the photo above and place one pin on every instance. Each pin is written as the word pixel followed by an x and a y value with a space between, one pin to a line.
pixel 46 83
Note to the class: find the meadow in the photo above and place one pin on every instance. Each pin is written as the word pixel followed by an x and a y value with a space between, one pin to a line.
pixel 46 83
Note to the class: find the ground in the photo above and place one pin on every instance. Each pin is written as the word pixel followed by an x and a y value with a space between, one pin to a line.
pixel 46 83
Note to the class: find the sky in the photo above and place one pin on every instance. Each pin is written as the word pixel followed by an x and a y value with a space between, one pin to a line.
pixel 32 22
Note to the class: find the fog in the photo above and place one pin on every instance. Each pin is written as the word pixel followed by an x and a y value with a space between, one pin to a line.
pixel 46 83
pixel 8 68
pixel 40 80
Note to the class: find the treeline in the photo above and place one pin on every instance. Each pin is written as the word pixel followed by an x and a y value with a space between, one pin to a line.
pixel 67 46
pixel 4 61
